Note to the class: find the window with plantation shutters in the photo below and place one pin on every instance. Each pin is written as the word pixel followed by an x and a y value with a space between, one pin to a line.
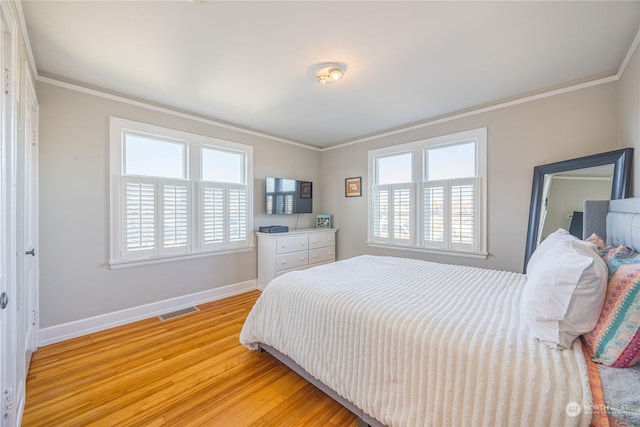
pixel 392 199
pixel 175 194
pixel 430 195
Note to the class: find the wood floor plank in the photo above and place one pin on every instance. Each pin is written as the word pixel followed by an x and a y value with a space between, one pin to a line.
pixel 187 371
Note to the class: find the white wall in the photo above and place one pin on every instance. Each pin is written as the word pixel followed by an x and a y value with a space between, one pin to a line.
pixel 76 282
pixel 629 93
pixel 551 129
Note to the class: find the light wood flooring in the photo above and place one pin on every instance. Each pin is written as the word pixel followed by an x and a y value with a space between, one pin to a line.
pixel 188 371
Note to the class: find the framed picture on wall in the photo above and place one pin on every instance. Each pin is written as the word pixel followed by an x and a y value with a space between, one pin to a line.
pixel 353 187
pixel 305 190
pixel 323 221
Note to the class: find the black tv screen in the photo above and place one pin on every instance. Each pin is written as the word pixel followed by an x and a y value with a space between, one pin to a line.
pixel 288 196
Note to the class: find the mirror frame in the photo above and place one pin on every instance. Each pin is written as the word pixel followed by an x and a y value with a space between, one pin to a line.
pixel 622 161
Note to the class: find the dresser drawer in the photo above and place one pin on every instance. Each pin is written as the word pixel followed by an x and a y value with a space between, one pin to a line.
pixel 321 255
pixel 292 260
pixel 292 244
pixel 321 240
pixel 299 249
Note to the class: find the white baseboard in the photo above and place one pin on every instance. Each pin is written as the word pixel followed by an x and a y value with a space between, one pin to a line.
pixel 89 325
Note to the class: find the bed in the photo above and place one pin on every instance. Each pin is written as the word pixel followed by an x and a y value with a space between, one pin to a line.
pixel 404 342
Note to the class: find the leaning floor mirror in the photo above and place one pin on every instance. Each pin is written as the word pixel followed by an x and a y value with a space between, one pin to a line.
pixel 560 189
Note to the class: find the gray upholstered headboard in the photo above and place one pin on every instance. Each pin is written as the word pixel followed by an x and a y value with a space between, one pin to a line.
pixel 618 221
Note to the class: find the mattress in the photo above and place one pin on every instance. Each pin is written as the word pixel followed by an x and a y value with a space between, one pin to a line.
pixel 415 343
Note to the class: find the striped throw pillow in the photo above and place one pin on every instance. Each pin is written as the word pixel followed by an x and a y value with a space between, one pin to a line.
pixel 615 341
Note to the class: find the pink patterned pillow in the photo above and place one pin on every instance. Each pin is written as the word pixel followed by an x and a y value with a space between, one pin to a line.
pixel 615 341
pixel 607 252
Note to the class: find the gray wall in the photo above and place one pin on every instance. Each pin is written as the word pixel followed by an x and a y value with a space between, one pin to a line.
pixel 520 137
pixel 630 115
pixel 75 280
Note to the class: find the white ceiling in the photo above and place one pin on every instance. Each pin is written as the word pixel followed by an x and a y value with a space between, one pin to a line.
pixel 251 64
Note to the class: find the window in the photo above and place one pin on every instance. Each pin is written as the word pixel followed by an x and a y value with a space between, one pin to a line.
pixel 176 194
pixel 430 195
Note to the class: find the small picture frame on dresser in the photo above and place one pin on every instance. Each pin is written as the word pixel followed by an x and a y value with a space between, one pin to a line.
pixel 323 221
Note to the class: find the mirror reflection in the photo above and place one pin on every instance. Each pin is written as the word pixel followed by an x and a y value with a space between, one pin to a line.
pixel 564 193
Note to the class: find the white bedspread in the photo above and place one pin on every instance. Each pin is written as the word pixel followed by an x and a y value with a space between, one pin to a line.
pixel 414 343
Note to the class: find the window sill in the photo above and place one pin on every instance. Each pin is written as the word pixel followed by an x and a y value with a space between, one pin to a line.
pixel 117 265
pixel 458 254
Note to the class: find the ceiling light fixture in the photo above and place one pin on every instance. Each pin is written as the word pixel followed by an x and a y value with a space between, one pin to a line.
pixel 329 72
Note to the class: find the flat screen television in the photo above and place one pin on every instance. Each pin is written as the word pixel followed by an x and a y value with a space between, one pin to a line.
pixel 288 196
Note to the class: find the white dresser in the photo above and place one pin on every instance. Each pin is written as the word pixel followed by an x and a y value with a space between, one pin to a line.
pixel 279 253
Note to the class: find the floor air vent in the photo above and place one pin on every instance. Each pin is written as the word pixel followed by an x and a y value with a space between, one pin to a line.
pixel 178 313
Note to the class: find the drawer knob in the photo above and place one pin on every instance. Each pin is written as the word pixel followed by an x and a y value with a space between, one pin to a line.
pixel 284 261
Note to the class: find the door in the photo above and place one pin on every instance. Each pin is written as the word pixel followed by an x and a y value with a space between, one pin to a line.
pixel 26 233
pixel 8 146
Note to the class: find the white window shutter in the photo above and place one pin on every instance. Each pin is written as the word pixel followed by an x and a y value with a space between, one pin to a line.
pixel 139 218
pixel 380 217
pixel 212 216
pixel 434 214
pixel 402 218
pixel 237 213
pixel 464 214
pixel 392 219
pixel 175 217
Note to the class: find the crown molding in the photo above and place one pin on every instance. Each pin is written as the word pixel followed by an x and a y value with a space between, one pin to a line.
pixel 630 53
pixel 475 112
pixel 146 105
pixel 166 110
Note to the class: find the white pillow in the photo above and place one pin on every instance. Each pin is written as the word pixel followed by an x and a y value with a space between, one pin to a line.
pixel 550 242
pixel 565 289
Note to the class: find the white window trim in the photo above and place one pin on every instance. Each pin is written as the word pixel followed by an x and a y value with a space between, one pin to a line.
pixel 417 148
pixel 194 143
